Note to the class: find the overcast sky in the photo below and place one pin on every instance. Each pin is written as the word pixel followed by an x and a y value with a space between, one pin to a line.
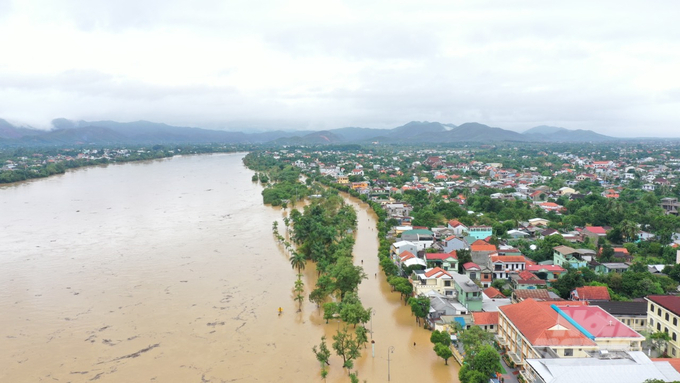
pixel 609 66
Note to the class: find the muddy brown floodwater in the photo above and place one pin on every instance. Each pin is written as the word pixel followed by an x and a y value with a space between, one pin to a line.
pixel 167 271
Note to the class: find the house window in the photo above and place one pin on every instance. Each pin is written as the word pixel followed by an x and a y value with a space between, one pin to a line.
pixel 673 352
pixel 568 352
pixel 658 327
pixel 447 283
pixel 675 321
pixel 667 317
pixel 449 292
pixel 658 312
pixel 674 337
pixel 651 307
pixel 473 276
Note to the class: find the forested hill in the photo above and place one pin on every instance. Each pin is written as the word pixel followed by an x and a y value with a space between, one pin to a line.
pixel 67 132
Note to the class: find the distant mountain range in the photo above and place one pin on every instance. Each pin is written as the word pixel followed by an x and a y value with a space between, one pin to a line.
pixel 144 132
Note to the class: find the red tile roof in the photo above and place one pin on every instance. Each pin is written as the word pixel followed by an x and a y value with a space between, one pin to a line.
pixel 441 256
pixel 600 323
pixel 543 326
pixel 539 268
pixel 596 229
pixel 507 258
pixel 404 255
pixel 480 245
pixel 539 294
pixel 669 302
pixel 469 265
pixel 593 293
pixel 455 223
pixel 437 273
pixel 485 318
pixel 493 292
pixel 527 275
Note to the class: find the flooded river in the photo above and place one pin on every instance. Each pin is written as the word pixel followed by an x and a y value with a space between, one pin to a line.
pixel 167 271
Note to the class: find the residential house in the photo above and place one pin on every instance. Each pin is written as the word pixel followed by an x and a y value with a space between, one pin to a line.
pixel 549 273
pixel 472 270
pixel 408 259
pixel 565 255
pixel 670 206
pixel 493 293
pixel 663 312
pixel 458 228
pixel 447 261
pixel 621 254
pixel 611 267
pixel 591 293
pixel 467 292
pixel 436 279
pixel 488 321
pixel 525 280
pixel 443 309
pixel 594 233
pixel 398 247
pixel 538 222
pixel 423 238
pixel 454 243
pixel 480 232
pixel 504 265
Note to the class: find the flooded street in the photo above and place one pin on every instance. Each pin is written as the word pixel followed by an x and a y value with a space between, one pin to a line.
pixel 167 271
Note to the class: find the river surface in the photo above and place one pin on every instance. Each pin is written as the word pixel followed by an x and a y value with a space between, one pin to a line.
pixel 167 271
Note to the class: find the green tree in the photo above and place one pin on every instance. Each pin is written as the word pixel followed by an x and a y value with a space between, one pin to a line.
pixel 346 347
pixel 346 277
pixel 322 353
pixel 473 338
pixel 464 256
pixel 443 352
pixel 298 261
pixel 352 311
pixel 420 307
pixel 442 337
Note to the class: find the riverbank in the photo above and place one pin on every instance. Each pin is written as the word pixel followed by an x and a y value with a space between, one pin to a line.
pixel 25 164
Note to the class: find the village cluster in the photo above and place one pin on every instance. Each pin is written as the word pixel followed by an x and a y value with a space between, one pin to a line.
pixel 489 267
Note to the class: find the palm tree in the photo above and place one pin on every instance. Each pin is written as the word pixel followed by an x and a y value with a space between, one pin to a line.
pixel 298 261
pixel 628 230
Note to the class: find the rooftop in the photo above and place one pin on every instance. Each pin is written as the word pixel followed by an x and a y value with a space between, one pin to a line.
pixel 483 318
pixel 623 308
pixel 470 265
pixel 600 323
pixel 543 326
pixel 538 294
pixel 592 293
pixel 441 256
pixel 635 368
pixel 507 258
pixel 669 302
pixel 437 272
pixel 493 292
pixel 545 268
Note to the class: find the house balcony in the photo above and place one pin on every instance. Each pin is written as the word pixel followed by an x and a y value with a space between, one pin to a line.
pixel 516 358
pixel 501 340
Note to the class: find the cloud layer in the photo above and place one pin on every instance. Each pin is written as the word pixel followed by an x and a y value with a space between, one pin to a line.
pixel 610 66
